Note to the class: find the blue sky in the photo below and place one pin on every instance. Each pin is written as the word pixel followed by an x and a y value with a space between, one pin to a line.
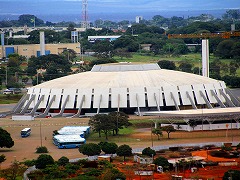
pixel 37 7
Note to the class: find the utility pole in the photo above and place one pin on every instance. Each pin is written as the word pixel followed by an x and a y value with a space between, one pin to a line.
pixel 41 132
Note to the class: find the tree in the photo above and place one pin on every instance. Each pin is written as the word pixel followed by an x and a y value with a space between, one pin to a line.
pixel 113 174
pixel 15 170
pixel 149 152
pixel 236 50
pixel 120 120
pixel 124 150
pixel 90 149
pixel 13 67
pixel 122 52
pixel 181 49
pixel 161 161
pixel 224 49
pixel 185 67
pixel 69 54
pixel 102 122
pixel 108 148
pixel 168 129
pixel 157 132
pixel 103 49
pixel 5 139
pixel 127 42
pixel 43 160
pixel 165 64
pixel 53 171
pixel 192 123
pixel 55 66
pixel 231 174
pixel 29 20
pixel 232 14
pixel 215 69
pixel 233 66
pixel 50 37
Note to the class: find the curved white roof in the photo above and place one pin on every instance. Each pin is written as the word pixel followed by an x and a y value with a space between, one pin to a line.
pixel 133 78
pixel 127 86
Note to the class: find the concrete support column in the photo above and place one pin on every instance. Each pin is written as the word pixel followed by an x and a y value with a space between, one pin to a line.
pixel 210 125
pixel 205 57
pixel 2 44
pixel 42 43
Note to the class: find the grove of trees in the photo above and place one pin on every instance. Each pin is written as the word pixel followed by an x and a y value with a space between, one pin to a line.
pixel 107 123
pixel 223 66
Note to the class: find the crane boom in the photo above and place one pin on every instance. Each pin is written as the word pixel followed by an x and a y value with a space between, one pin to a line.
pixel 205 44
pixel 224 35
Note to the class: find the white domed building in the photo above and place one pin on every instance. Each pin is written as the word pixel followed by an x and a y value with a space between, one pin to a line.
pixel 143 89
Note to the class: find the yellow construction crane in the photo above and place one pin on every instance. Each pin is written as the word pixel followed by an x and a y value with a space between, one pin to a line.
pixel 225 35
pixel 205 44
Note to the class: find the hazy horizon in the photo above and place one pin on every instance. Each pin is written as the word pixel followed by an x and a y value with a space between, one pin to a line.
pixel 71 10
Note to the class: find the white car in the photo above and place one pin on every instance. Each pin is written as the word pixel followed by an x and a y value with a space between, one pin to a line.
pixel 7 91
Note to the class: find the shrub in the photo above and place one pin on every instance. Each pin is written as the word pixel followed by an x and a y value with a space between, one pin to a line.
pixel 29 163
pixel 174 148
pixel 37 174
pixel 161 151
pixel 63 161
pixel 43 160
pixel 41 149
pixel 219 153
pixel 210 146
pixel 93 172
pixel 234 174
pixel 226 148
pixel 238 146
pixel 161 161
pixel 174 155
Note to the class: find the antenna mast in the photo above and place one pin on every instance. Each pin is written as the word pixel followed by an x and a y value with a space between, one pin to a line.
pixel 84 23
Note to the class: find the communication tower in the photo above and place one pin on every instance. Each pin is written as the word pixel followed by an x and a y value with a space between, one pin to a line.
pixel 84 23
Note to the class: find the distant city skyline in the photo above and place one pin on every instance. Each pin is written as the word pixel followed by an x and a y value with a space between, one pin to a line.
pixel 118 8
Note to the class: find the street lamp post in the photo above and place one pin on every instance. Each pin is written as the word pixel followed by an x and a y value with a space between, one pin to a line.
pixel 6 76
pixel 39 71
pixel 41 132
pixel 151 135
pixel 231 130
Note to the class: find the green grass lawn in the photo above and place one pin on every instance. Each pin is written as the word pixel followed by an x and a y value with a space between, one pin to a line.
pixel 9 98
pixel 148 58
pixel 122 137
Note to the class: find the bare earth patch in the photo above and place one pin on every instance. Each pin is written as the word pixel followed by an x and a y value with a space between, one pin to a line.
pixel 25 148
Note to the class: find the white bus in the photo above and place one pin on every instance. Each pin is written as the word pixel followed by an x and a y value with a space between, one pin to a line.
pixel 71 132
pixel 68 141
pixel 85 129
pixel 26 132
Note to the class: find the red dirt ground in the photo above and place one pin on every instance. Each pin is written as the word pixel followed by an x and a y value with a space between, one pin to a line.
pixel 25 148
pixel 209 172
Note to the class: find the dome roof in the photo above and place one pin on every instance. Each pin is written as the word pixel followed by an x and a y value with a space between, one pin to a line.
pixel 134 87
pixel 119 76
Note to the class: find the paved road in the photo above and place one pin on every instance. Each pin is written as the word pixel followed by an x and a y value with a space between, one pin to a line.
pixel 6 107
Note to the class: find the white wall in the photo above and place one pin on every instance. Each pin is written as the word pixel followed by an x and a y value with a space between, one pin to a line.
pixel 186 127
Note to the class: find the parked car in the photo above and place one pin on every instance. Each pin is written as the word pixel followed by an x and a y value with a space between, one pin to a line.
pixel 15 90
pixel 8 91
pixel 12 91
pixel 3 115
